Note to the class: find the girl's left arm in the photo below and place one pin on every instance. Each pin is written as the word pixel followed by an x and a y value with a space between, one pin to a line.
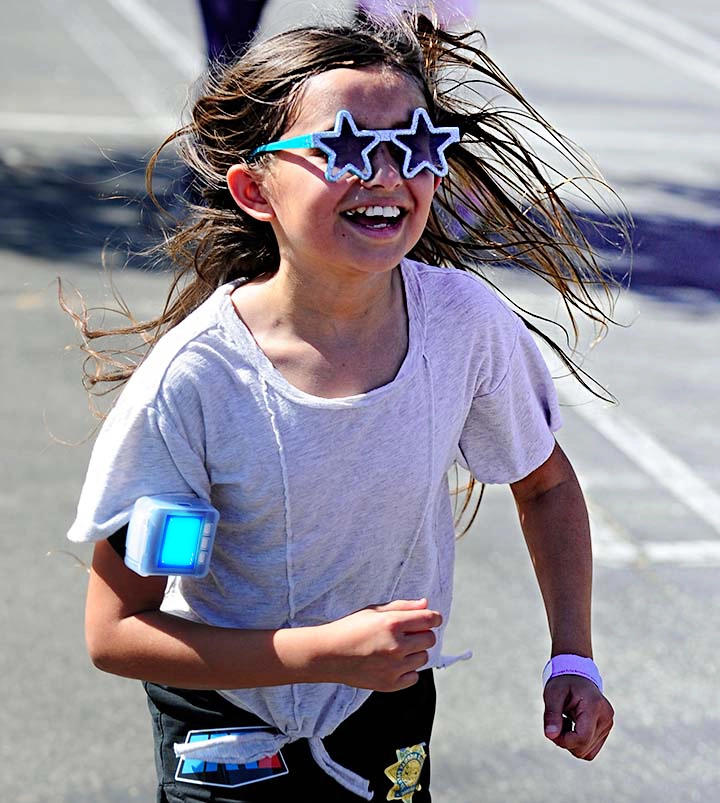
pixel 555 524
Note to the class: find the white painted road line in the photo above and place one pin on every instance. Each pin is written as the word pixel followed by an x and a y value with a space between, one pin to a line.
pixel 687 554
pixel 654 459
pixel 668 470
pixel 179 49
pixel 629 33
pixel 110 54
pixel 684 553
pixel 611 548
pixel 669 26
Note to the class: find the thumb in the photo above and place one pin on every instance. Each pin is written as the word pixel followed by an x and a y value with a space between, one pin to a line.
pixel 403 605
pixel 553 716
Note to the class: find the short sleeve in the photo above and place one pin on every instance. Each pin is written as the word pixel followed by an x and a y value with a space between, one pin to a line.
pixel 508 432
pixel 139 452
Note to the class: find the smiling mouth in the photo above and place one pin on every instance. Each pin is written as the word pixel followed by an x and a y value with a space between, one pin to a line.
pixel 375 217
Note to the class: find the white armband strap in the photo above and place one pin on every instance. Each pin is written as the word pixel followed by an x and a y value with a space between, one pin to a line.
pixel 572 665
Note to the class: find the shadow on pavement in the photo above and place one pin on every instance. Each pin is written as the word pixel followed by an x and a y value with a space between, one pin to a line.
pixel 71 209
pixel 674 258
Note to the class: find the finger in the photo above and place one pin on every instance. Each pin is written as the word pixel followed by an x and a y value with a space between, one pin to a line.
pixel 578 733
pixel 414 642
pixel 585 752
pixel 404 682
pixel 407 679
pixel 418 621
pixel 583 748
pixel 570 741
pixel 586 726
pixel 415 660
pixel 593 722
pixel 597 747
pixel 554 726
pixel 402 605
pixel 603 731
pixel 592 752
pixel 555 701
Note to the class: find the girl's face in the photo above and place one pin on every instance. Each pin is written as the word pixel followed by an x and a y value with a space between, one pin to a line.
pixel 316 222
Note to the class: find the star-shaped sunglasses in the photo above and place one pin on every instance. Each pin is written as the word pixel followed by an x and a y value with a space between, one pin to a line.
pixel 348 149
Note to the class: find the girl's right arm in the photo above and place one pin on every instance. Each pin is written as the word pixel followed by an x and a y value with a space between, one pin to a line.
pixel 380 648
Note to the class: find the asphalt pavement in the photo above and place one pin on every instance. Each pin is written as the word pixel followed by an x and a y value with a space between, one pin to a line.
pixel 88 90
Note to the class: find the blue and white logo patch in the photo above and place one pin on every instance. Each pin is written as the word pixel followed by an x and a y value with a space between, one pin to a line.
pixel 208 773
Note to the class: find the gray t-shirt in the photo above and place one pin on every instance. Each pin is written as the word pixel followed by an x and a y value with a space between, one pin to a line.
pixel 326 506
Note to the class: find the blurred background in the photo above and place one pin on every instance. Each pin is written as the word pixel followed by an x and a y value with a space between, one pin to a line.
pixel 88 89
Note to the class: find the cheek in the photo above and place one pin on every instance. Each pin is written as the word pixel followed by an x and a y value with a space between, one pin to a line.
pixel 306 203
pixel 424 187
pixel 423 199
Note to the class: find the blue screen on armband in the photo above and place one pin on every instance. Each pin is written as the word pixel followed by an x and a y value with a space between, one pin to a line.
pixel 180 542
pixel 171 535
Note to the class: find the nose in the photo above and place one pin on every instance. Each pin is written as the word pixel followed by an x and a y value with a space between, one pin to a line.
pixel 386 169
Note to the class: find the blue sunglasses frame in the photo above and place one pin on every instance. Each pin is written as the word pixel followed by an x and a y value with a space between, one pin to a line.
pixel 322 140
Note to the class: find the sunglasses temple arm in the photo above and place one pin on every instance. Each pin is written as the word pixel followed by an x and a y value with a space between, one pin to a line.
pixel 307 141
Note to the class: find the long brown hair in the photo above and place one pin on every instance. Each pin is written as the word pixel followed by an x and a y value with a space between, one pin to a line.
pixel 502 204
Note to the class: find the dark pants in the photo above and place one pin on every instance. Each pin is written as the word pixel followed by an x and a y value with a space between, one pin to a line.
pixel 229 25
pixel 367 743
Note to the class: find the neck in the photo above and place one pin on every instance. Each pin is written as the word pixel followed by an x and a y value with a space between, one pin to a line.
pixel 324 305
pixel 329 339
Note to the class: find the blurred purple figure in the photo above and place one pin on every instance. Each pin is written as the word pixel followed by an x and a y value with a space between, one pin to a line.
pixel 450 13
pixel 229 25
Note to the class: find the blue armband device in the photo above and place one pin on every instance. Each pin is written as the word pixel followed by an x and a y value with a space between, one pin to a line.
pixel 170 535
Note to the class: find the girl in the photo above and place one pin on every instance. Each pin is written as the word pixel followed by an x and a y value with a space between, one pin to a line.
pixel 324 358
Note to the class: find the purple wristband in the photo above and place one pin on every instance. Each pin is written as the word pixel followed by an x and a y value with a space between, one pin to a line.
pixel 572 665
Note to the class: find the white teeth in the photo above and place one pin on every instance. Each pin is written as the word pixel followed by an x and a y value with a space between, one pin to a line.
pixel 376 211
pixel 382 211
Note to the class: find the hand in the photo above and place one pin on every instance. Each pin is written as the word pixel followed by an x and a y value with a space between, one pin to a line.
pixel 589 715
pixel 382 647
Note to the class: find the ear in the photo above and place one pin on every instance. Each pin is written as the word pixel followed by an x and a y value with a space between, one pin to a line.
pixel 437 183
pixel 248 194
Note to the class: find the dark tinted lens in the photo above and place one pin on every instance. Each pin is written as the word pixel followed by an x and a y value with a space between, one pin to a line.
pixel 423 147
pixel 345 149
pixel 349 150
pixel 426 145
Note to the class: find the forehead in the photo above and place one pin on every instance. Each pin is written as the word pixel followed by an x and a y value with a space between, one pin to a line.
pixel 377 97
